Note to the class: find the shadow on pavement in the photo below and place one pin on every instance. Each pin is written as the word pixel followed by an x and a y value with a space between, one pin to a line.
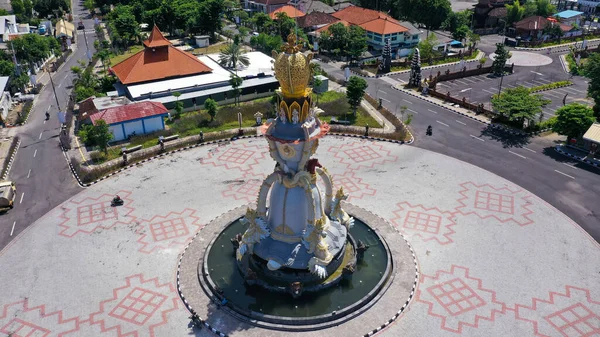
pixel 506 138
pixel 561 158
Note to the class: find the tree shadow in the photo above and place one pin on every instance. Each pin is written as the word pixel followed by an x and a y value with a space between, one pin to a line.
pixel 505 137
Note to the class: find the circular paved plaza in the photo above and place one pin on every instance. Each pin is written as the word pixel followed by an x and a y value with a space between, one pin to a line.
pixel 494 260
pixel 526 59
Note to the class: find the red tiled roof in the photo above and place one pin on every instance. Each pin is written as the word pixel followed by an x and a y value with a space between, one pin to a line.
pixel 325 28
pixel 357 15
pixel 158 61
pixel 383 26
pixel 129 112
pixel 316 19
pixel 291 11
pixel 532 23
pixel 156 39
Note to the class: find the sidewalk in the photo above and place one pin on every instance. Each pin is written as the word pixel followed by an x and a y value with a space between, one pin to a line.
pixel 577 154
pixel 449 106
pixel 386 125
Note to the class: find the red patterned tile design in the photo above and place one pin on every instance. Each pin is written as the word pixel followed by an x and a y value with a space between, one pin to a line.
pixel 458 299
pixel 168 231
pixel 507 205
pixel 427 223
pixel 362 154
pixel 137 308
pixel 353 185
pixel 19 319
pixel 88 215
pixel 570 314
pixel 240 156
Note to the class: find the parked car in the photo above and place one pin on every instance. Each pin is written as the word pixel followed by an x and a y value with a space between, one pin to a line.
pixel 42 30
pixel 19 97
pixel 8 191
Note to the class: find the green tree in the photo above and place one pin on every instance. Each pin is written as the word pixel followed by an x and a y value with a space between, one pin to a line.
pixel 430 13
pixel 285 24
pixel 209 16
pixel 554 30
pixel 32 48
pixel 502 55
pixel 76 71
pixel 235 81
pixel 355 91
pixel 473 39
pixel 4 12
pixel 89 5
pixel 519 104
pixel 592 71
pixel 232 55
pixel 530 9
pixel 178 104
pixel 457 19
pixel 357 42
pixel 262 21
pixel 125 29
pixel 426 47
pixel 266 43
pixel 96 135
pixel 211 107
pixel 514 12
pixel 18 8
pixel 573 120
pixel 7 68
pixel 461 33
pixel 55 8
pixel 544 8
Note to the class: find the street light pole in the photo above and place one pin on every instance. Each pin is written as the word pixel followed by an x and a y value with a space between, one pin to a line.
pixel 500 86
pixel 54 90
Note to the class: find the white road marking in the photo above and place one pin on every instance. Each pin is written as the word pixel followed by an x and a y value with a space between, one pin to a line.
pixel 40 137
pixel 21 201
pixel 34 153
pixel 489 92
pixel 564 174
pixel 571 166
pixel 44 121
pixel 535 72
pixel 468 79
pixel 467 89
pixel 577 90
pixel 409 102
pixel 28 173
pixel 432 111
pixel 483 140
pixel 383 99
pixel 59 86
pixel 385 93
pixel 459 122
pixel 461 82
pixel 13 228
pixel 443 85
pixel 444 124
pixel 67 75
pixel 518 155
pixel 528 149
pixel 413 111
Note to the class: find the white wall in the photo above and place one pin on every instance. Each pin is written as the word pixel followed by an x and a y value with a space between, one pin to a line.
pixel 5 105
pixel 117 131
pixel 153 124
pixel 131 127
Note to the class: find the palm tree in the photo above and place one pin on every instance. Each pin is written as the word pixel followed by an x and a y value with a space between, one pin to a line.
pixel 232 55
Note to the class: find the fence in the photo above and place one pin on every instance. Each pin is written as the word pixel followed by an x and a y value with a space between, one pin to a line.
pixel 448 76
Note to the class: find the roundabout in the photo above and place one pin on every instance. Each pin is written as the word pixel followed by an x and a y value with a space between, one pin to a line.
pixel 86 269
pixel 526 59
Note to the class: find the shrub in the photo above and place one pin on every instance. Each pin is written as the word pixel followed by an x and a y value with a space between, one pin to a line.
pixel 549 86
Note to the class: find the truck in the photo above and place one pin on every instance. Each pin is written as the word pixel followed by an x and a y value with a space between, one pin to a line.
pixel 8 192
pixel 19 97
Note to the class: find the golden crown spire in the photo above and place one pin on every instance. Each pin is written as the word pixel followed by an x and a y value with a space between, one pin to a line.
pixel 292 69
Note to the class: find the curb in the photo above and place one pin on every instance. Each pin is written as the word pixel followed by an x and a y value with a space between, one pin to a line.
pixel 476 59
pixel 493 125
pixel 82 184
pixel 564 64
pixel 10 162
pixel 562 86
pixel 589 162
pixel 565 45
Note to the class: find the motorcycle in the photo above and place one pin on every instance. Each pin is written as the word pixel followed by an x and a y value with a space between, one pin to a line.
pixel 429 131
pixel 47 115
pixel 117 201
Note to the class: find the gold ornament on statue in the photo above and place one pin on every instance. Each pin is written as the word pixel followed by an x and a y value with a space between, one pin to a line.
pixel 292 69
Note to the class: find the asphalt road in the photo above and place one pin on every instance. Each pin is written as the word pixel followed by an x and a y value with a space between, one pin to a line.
pixel 40 170
pixel 568 185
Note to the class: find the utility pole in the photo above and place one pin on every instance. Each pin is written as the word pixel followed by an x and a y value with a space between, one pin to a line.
pixel 500 86
pixel 54 90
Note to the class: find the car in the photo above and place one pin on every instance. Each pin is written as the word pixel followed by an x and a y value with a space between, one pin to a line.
pixel 8 192
pixel 80 25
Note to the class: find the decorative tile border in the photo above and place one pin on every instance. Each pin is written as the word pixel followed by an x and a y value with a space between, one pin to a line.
pixel 581 159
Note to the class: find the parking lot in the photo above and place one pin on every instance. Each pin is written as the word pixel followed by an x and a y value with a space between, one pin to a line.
pixel 479 89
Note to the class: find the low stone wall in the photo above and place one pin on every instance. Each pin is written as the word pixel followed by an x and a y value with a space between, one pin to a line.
pixel 9 158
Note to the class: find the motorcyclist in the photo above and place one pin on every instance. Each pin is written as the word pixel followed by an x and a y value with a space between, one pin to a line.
pixel 47 115
pixel 429 129
pixel 117 200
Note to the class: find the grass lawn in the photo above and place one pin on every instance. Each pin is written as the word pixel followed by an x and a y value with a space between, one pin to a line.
pixel 334 104
pixel 212 49
pixel 118 58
